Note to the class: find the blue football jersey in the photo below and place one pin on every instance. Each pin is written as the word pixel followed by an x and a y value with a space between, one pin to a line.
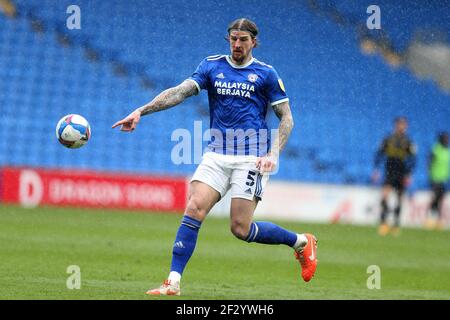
pixel 238 100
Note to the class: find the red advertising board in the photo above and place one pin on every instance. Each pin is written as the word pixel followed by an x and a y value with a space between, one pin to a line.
pixel 32 187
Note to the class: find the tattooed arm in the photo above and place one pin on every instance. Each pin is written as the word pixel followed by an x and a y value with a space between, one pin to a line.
pixel 169 98
pixel 283 112
pixel 165 100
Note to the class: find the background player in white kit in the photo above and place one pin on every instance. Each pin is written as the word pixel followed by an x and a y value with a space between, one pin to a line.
pixel 240 89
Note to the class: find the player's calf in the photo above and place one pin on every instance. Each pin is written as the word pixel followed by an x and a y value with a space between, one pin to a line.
pixel 240 229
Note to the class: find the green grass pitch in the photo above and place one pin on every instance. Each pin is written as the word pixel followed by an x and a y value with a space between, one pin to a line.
pixel 122 254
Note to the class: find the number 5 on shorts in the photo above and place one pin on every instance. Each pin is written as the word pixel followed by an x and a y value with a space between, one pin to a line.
pixel 251 178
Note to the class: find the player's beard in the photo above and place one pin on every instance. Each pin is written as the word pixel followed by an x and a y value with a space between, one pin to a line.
pixel 238 57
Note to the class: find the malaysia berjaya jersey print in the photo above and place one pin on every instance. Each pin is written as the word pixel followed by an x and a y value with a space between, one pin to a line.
pixel 239 97
pixel 238 100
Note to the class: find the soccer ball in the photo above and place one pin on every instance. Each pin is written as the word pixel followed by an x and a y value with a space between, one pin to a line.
pixel 73 131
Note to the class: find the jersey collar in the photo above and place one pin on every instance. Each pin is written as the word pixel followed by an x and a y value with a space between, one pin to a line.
pixel 240 66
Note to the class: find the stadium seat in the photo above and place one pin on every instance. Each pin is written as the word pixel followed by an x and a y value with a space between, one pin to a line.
pixel 341 113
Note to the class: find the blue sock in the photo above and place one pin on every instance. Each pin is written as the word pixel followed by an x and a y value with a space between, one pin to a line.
pixel 270 233
pixel 184 244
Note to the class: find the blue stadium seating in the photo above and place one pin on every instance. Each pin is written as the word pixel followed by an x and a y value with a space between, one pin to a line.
pixel 343 102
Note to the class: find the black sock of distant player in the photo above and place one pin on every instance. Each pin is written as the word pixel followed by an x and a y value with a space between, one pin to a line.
pixel 437 198
pixel 398 208
pixel 184 243
pixel 434 204
pixel 270 233
pixel 384 210
pixel 435 207
pixel 397 211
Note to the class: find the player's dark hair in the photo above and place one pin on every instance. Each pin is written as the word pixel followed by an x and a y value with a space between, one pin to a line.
pixel 244 24
pixel 399 119
pixel 442 137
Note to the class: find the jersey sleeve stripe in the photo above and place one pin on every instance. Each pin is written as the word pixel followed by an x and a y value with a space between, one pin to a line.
pixel 216 57
pixel 196 84
pixel 279 101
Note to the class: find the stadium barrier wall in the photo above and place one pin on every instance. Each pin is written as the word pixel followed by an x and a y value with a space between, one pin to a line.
pixel 31 187
pixel 315 203
pixel 319 203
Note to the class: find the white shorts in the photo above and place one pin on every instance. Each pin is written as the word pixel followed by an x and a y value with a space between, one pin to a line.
pixel 238 173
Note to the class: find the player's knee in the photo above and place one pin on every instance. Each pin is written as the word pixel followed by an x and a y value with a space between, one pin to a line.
pixel 239 229
pixel 195 210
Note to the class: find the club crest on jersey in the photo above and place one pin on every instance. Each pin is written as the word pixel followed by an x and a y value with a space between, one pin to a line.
pixel 252 77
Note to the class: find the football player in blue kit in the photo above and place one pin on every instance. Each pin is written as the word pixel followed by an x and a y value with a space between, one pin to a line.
pixel 240 155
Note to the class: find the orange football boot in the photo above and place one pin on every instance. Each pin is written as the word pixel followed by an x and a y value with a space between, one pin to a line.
pixel 166 289
pixel 383 229
pixel 308 257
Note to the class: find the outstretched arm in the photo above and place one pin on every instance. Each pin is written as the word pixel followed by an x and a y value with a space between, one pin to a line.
pixel 380 154
pixel 169 98
pixel 411 159
pixel 283 112
pixel 165 100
